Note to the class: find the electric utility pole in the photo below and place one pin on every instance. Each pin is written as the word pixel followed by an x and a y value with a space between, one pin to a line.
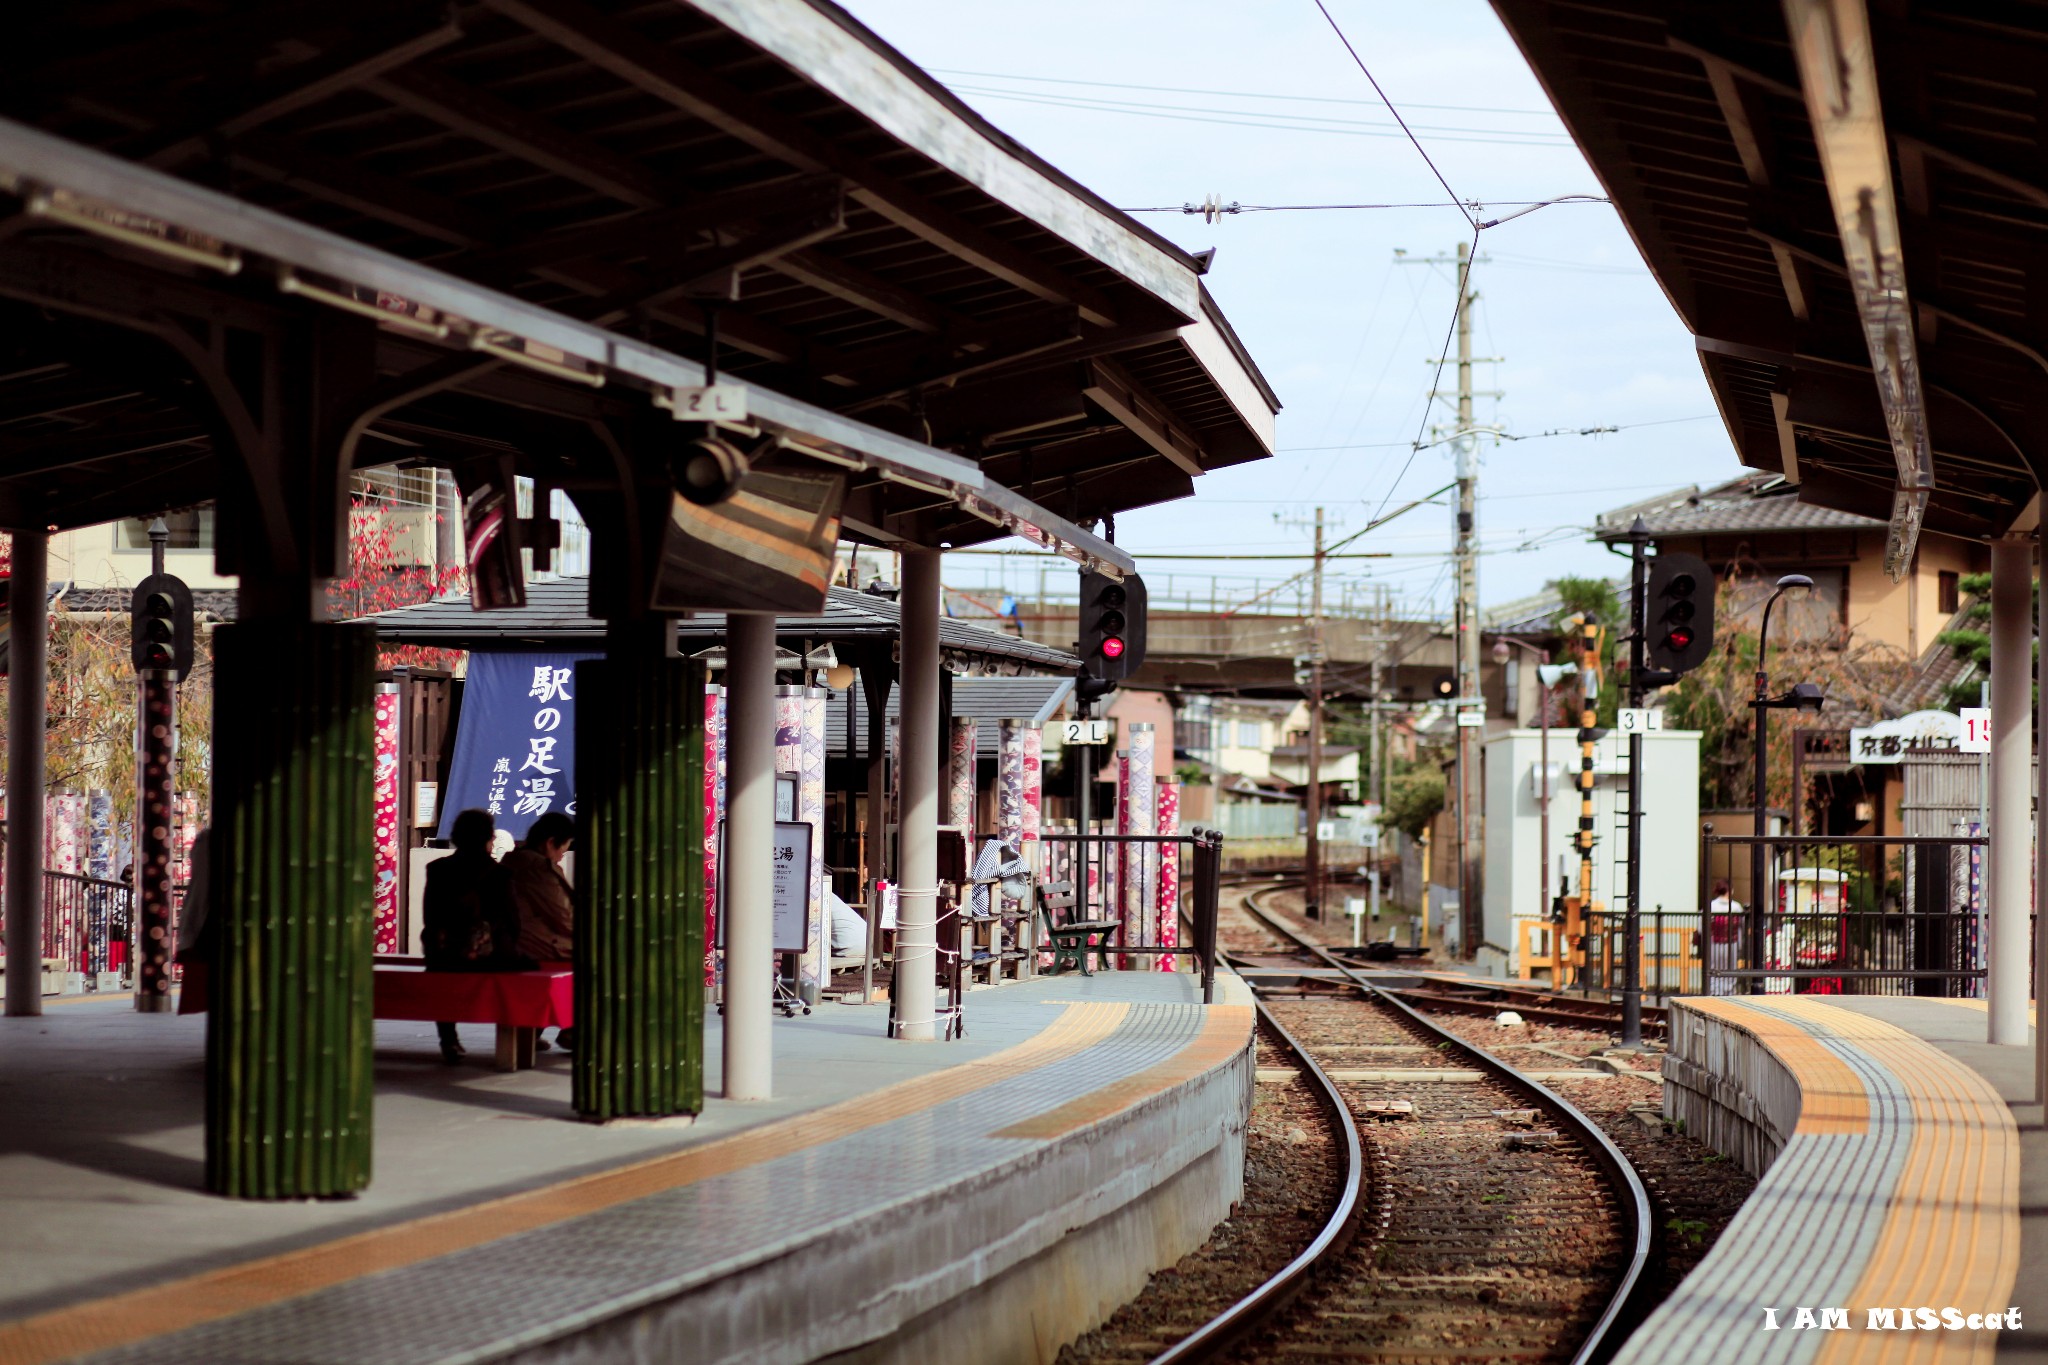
pixel 1314 863
pixel 1470 832
pixel 1464 441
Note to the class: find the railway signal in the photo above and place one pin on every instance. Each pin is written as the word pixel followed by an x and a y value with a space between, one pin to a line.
pixel 1112 642
pixel 160 626
pixel 1678 619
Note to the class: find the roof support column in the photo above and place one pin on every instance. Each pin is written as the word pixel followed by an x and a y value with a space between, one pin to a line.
pixel 290 1034
pixel 917 930
pixel 2041 862
pixel 2012 747
pixel 749 855
pixel 639 927
pixel 27 639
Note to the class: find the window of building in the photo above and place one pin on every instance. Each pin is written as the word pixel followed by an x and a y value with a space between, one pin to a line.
pixel 1948 593
pixel 191 529
pixel 1247 734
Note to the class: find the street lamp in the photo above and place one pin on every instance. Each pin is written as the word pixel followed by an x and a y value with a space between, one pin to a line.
pixel 1802 697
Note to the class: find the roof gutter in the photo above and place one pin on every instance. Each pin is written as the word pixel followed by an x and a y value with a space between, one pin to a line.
pixel 96 192
pixel 1838 73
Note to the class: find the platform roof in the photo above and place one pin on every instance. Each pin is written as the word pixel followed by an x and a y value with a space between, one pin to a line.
pixel 1850 220
pixel 590 185
pixel 556 616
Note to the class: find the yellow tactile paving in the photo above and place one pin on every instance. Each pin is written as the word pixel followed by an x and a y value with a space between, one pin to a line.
pixel 1981 1006
pixel 1832 1097
pixel 1224 1029
pixel 1951 1235
pixel 161 1309
pixel 1951 1231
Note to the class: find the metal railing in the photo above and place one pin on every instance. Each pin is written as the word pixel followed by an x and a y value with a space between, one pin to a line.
pixel 1856 915
pixel 1111 873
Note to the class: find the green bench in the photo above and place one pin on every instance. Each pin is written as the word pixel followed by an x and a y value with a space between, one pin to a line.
pixel 1070 940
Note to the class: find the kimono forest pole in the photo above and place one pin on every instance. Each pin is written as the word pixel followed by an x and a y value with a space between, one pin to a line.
pixel 1169 874
pixel 1141 912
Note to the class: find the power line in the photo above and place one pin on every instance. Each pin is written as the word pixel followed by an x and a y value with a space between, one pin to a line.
pixel 1475 204
pixel 1501 435
pixel 1249 118
pixel 1420 151
pixel 1233 94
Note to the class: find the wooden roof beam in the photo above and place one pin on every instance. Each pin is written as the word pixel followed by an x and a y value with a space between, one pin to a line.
pixel 375 49
pixel 628 55
pixel 1116 393
pixel 487 119
pixel 1838 72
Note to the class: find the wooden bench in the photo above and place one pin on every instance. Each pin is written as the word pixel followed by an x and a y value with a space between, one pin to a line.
pixel 521 1004
pixel 1070 940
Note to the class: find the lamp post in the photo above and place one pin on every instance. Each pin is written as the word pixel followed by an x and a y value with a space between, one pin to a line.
pixel 1804 696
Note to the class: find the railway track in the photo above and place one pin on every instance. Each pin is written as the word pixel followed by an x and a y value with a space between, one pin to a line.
pixel 1482 1218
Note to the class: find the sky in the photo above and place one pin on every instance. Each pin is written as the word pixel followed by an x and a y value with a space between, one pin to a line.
pixel 1259 103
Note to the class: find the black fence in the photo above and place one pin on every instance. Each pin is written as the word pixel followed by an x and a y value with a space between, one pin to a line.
pixel 1180 875
pixel 1861 915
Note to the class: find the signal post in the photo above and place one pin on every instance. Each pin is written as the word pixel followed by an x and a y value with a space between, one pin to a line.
pixel 1671 637
pixel 1111 646
pixel 161 650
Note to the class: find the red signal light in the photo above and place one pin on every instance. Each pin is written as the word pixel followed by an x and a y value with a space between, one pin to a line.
pixel 1679 638
pixel 1112 648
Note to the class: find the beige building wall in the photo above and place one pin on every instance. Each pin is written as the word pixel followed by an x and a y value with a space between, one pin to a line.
pixel 1906 615
pixel 109 556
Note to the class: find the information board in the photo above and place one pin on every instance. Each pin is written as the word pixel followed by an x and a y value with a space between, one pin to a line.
pixel 789 892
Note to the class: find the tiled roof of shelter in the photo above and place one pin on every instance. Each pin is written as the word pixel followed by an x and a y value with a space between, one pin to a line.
pixel 988 701
pixel 557 612
pixel 1751 503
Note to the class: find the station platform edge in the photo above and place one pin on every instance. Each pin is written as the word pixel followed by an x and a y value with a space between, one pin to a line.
pixel 987 1207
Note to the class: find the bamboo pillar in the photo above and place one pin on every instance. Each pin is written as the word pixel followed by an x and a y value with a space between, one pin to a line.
pixel 639 882
pixel 289 1030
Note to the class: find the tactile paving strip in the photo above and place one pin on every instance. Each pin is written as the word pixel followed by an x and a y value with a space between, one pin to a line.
pixel 534 1286
pixel 1828 1224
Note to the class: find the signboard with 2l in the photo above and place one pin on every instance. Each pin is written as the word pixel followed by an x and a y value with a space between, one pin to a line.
pixel 1087 732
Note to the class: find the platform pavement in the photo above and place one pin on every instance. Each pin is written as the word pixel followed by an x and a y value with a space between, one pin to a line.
pixel 486 1186
pixel 1893 1176
pixel 1957 1027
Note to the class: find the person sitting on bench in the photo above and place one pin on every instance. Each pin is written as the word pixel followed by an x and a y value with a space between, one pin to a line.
pixel 468 924
pixel 541 897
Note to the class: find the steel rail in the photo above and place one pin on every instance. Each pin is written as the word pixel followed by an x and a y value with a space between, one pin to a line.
pixel 1229 1328
pixel 1624 1308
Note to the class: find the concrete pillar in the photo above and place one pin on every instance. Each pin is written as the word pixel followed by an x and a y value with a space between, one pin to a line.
pixel 2012 744
pixel 27 637
pixel 749 853
pixel 918 900
pixel 2041 868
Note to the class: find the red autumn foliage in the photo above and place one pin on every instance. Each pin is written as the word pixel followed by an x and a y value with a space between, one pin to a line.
pixel 378 582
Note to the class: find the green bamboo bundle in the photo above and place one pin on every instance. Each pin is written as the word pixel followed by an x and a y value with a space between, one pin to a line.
pixel 639 885
pixel 289 1029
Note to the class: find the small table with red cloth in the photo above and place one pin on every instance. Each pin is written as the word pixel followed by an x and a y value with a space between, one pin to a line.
pixel 521 1004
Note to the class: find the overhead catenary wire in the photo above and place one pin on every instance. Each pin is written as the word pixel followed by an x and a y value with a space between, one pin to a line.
pixel 1416 142
pixel 1232 94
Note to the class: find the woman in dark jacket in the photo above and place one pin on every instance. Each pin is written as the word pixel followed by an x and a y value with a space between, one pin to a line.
pixel 468 923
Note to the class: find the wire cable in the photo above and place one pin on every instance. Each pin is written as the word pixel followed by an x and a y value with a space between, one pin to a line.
pixel 1456 202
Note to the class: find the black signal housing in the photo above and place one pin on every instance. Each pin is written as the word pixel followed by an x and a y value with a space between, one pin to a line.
pixel 1112 642
pixel 160 625
pixel 1679 622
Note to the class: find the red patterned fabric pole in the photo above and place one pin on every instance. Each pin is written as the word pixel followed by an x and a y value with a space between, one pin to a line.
pixel 1169 874
pixel 384 829
pixel 154 816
